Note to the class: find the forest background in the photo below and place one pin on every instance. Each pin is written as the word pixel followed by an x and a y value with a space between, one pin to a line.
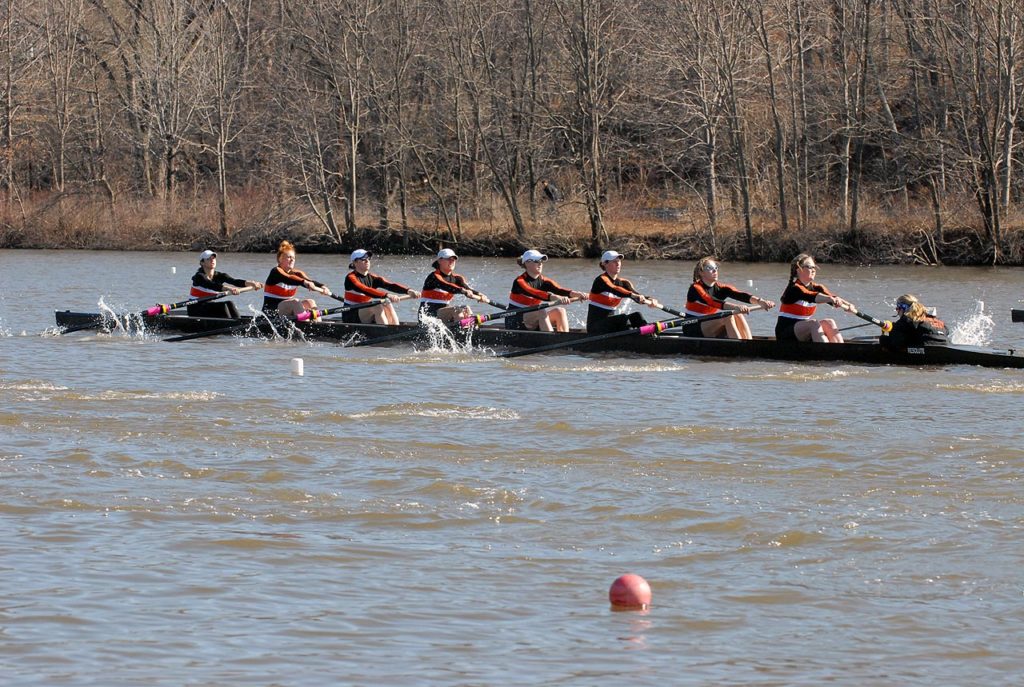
pixel 858 130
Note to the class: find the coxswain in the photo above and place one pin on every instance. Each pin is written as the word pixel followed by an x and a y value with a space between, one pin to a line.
pixel 442 285
pixel 284 282
pixel 707 296
pixel 609 293
pixel 207 281
pixel 798 302
pixel 532 288
pixel 362 286
pixel 915 326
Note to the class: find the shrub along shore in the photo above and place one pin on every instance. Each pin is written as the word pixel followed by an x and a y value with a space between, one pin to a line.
pixel 668 232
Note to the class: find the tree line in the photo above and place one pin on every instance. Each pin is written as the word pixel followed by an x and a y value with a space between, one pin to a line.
pixel 788 113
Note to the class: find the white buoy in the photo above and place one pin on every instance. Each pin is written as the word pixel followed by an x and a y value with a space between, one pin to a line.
pixel 297 367
pixel 174 270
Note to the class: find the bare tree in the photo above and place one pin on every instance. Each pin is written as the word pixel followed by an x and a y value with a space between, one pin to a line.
pixel 61 26
pixel 227 43
pixel 761 30
pixel 18 54
pixel 595 45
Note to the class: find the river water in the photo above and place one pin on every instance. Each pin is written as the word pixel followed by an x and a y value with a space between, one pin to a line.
pixel 192 514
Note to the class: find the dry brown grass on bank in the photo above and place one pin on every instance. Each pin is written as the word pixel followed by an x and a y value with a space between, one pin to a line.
pixel 660 228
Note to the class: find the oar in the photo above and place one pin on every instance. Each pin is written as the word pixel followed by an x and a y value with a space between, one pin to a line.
pixel 480 319
pixel 158 309
pixel 410 333
pixel 886 325
pixel 645 330
pixel 317 315
pixel 301 317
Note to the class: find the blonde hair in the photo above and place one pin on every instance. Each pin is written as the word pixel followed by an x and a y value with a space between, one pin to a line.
pixel 285 247
pixel 796 263
pixel 915 311
pixel 699 267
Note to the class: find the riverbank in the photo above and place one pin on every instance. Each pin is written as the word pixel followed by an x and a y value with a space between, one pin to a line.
pixel 670 229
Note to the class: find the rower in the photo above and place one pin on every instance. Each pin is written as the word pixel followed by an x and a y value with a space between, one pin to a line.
pixel 207 281
pixel 532 288
pixel 707 296
pixel 608 293
pixel 442 285
pixel 283 283
pixel 915 326
pixel 798 302
pixel 362 286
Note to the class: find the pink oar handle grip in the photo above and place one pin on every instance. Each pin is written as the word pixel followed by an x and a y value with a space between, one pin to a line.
pixel 470 321
pixel 158 309
pixel 648 329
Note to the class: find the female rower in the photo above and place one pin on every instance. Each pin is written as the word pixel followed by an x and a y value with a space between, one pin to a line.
pixel 284 281
pixel 441 286
pixel 531 288
pixel 207 281
pixel 915 326
pixel 362 286
pixel 800 299
pixel 608 292
pixel 707 295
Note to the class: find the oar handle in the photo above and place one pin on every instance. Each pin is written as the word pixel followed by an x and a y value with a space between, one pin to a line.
pixel 480 319
pixel 885 325
pixel 162 309
pixel 645 330
pixel 317 314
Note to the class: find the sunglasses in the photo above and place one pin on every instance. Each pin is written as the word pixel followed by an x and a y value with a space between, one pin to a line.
pixel 711 267
pixel 809 267
pixel 538 261
pixel 902 307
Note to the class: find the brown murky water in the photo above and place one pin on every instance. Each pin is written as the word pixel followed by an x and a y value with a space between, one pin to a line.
pixel 191 513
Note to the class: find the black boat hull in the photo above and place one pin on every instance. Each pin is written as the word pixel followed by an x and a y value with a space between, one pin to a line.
pixel 667 344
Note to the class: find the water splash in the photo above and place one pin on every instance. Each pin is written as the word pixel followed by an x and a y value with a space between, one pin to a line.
pixel 130 325
pixel 255 328
pixel 440 337
pixel 976 330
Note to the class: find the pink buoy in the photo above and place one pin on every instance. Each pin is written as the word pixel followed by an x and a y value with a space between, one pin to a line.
pixel 630 591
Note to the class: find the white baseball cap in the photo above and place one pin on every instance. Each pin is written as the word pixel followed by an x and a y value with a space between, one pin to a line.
pixel 610 255
pixel 359 254
pixel 533 256
pixel 446 253
pixel 206 255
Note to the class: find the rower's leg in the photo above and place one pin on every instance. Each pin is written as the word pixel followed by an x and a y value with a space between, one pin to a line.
pixel 831 331
pixel 742 327
pixel 809 330
pixel 371 315
pixel 290 308
pixel 538 320
pixel 389 314
pixel 713 329
pixel 559 319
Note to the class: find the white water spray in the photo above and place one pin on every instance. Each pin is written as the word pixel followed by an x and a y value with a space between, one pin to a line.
pixel 439 336
pixel 976 330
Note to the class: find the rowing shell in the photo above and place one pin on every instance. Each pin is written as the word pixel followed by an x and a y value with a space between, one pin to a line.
pixel 667 344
